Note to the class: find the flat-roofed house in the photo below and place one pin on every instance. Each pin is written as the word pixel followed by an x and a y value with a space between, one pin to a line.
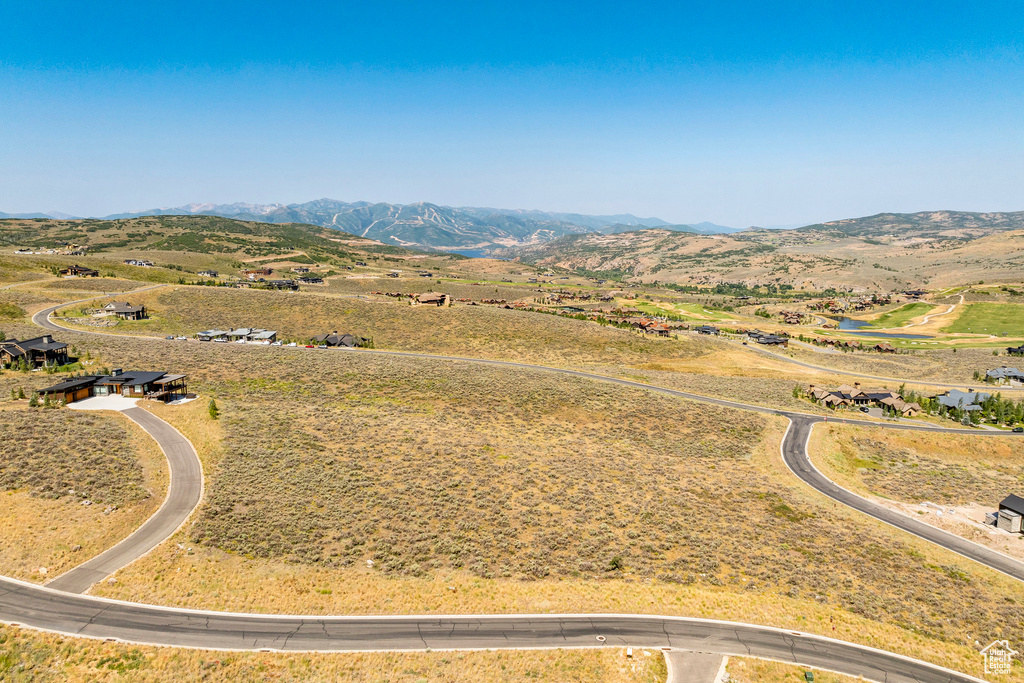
pixel 38 351
pixel 159 386
pixel 211 335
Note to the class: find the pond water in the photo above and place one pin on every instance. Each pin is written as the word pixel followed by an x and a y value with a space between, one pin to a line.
pixel 850 325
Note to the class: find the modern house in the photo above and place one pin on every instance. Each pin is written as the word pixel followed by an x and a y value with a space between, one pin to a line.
pixel 159 386
pixel 310 280
pixel 767 339
pixel 706 329
pixel 1011 512
pixel 138 262
pixel 208 273
pixel 251 334
pixel 124 310
pixel 40 351
pixel 282 284
pixel 212 335
pixel 79 271
pixel 1015 350
pixel 335 339
pixel 884 347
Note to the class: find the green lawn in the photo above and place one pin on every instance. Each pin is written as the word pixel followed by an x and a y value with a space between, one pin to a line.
pixel 990 318
pixel 902 315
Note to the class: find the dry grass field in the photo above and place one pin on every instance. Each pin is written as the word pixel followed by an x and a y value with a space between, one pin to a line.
pixel 940 365
pixel 481 331
pixel 746 670
pixel 55 461
pixel 917 466
pixel 447 475
pixel 28 657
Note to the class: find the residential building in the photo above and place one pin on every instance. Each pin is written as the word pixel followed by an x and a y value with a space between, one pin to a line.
pixel 965 400
pixel 1005 374
pixel 208 273
pixel 159 386
pixel 39 351
pixel 79 271
pixel 124 310
pixel 335 339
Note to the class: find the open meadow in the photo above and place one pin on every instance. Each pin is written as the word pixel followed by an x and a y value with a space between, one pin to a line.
pixel 72 484
pixel 32 657
pixel 524 492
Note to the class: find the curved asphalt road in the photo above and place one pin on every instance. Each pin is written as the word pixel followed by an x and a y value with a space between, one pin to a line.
pixel 48 609
pixel 183 495
pixel 95 618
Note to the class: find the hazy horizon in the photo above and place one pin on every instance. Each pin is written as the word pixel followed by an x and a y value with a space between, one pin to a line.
pixel 738 115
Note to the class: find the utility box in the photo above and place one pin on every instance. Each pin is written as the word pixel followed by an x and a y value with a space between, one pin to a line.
pixel 1009 521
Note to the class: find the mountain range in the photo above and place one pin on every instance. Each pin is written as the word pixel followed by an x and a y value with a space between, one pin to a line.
pixel 424 225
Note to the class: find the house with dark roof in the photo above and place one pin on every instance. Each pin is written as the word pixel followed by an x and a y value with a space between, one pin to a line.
pixel 39 351
pixel 1015 350
pixel 79 271
pixel 159 386
pixel 334 339
pixel 1010 514
pixel 124 310
pixel 207 273
pixel 706 329
pixel 282 284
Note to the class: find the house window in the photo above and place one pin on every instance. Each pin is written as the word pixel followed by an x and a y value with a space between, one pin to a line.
pixel 100 391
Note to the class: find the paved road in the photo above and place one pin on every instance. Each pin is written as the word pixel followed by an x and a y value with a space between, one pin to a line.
pixel 794 452
pixel 183 495
pixel 95 618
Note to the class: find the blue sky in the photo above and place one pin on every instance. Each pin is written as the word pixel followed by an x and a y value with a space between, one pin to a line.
pixel 738 113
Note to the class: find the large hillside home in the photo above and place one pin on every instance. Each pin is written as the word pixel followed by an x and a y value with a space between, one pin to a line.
pixel 335 339
pixel 37 352
pixel 159 386
pixel 79 271
pixel 125 311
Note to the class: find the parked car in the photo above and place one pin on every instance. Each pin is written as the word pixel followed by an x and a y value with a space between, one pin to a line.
pixel 240 341
pixel 291 344
pixel 865 409
pixel 321 346
pixel 170 336
pixel 222 340
pixel 1018 430
pixel 309 346
pixel 277 343
pixel 181 338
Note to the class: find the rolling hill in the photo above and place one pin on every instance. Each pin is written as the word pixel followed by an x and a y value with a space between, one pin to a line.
pixel 424 225
pixel 876 253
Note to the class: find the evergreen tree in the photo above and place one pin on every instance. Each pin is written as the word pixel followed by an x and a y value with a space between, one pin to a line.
pixel 214 411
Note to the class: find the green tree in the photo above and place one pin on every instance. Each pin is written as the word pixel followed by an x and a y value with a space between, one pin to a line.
pixel 214 410
pixel 21 393
pixel 34 401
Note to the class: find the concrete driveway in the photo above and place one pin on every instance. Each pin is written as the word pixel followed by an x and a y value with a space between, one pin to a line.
pixel 113 402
